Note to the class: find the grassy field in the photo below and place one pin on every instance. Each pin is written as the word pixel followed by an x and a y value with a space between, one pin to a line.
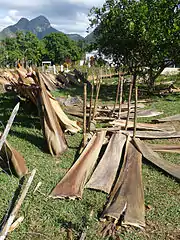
pixel 55 219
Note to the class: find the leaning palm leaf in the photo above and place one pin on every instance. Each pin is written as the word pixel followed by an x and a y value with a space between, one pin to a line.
pixel 72 184
pixel 128 199
pixel 13 159
pixel 50 125
pixel 105 173
pixel 153 157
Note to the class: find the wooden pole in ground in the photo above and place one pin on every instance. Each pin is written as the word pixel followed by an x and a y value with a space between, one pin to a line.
pixel 14 212
pixel 135 111
pixel 96 99
pixel 120 96
pixel 117 94
pixel 91 102
pixel 129 102
pixel 110 72
pixel 84 111
pixel 106 71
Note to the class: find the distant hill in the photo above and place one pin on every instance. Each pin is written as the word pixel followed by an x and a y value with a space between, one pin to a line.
pixel 40 26
pixel 90 38
pixel 75 37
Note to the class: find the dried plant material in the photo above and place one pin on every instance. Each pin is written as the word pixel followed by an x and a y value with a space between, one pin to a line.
pixel 16 224
pixel 3 81
pixel 119 181
pixel 50 125
pixel 105 173
pixel 15 210
pixel 8 125
pixel 129 197
pixel 37 187
pixel 144 126
pixel 153 157
pixel 165 148
pixel 146 113
pixel 72 185
pixel 153 134
pixel 169 119
pixel 65 122
pixel 47 80
pixel 15 159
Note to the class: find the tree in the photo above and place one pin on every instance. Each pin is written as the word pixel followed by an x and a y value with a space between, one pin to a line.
pixel 141 36
pixel 12 51
pixel 25 47
pixel 59 47
pixel 30 47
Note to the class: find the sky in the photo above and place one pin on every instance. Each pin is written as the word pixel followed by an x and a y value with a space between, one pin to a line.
pixel 68 16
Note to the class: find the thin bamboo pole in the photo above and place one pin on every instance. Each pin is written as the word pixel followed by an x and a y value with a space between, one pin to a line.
pixel 110 72
pixel 117 94
pixel 91 102
pixel 84 111
pixel 129 102
pixel 120 96
pixel 96 99
pixel 135 112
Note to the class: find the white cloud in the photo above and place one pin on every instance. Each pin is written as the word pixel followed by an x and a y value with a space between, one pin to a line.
pixel 69 16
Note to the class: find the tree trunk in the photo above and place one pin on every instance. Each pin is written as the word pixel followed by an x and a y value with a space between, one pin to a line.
pixel 151 80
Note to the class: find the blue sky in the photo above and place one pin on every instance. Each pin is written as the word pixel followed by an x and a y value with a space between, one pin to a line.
pixel 69 16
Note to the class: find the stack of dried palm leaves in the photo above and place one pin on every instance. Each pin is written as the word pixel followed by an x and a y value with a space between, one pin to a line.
pixel 34 86
pixel 117 170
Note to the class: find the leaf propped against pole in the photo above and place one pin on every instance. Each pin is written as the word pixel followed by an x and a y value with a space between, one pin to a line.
pixel 105 173
pixel 51 127
pixel 128 199
pixel 153 157
pixel 72 184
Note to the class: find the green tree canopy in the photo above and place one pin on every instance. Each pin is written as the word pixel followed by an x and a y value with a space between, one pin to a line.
pixel 59 47
pixel 25 46
pixel 141 36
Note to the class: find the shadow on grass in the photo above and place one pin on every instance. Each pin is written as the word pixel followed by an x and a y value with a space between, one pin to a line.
pixel 27 114
pixel 78 228
pixel 107 92
pixel 26 117
pixel 153 166
pixel 39 142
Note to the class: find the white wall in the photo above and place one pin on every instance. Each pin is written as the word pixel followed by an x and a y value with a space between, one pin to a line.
pixel 170 71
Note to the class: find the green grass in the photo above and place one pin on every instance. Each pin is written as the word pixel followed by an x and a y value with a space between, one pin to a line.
pixel 46 218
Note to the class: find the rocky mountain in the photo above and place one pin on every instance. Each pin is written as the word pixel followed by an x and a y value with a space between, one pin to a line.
pixel 39 26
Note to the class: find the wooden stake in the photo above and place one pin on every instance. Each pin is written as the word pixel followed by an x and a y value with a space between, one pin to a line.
pixel 8 126
pixel 117 94
pixel 135 112
pixel 96 99
pixel 91 102
pixel 14 212
pixel 84 111
pixel 129 102
pixel 120 96
pixel 83 236
pixel 110 71
pixel 106 71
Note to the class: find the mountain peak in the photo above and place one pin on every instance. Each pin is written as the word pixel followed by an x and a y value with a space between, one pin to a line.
pixel 22 23
pixel 41 20
pixel 40 26
pixel 23 20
